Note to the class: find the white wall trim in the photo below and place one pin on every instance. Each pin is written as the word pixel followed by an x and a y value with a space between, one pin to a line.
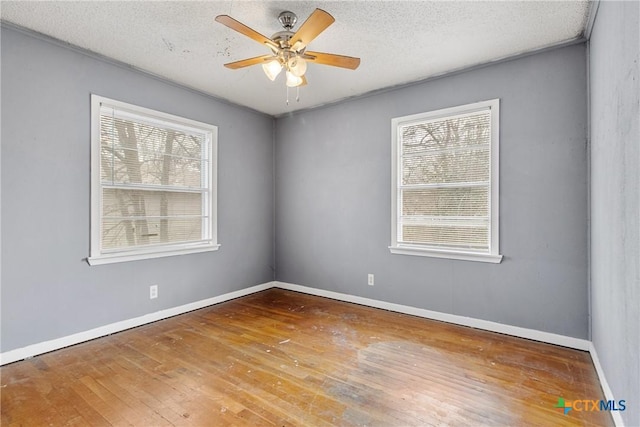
pixel 398 244
pixel 608 394
pixel 532 334
pixel 56 344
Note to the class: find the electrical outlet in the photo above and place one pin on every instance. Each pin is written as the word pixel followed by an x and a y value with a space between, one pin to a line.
pixel 153 291
pixel 370 279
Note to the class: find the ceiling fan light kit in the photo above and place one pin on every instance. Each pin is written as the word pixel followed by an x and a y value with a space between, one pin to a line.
pixel 288 49
pixel 272 68
pixel 293 81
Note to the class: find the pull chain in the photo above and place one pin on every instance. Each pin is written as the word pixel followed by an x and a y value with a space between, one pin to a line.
pixel 297 94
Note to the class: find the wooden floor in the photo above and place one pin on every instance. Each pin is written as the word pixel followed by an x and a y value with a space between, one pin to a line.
pixel 284 358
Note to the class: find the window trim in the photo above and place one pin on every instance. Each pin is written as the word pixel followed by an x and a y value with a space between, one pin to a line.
pixel 493 254
pixel 97 255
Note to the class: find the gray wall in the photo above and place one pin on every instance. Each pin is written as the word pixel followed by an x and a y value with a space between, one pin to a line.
pixel 333 195
pixel 615 191
pixel 48 291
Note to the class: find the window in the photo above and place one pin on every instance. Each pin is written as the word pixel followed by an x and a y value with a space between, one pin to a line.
pixel 153 178
pixel 445 183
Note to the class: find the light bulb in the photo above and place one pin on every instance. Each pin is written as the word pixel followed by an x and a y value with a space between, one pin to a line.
pixel 292 80
pixel 297 66
pixel 272 69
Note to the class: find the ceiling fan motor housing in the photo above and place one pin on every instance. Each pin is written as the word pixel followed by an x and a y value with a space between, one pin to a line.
pixel 282 38
pixel 287 19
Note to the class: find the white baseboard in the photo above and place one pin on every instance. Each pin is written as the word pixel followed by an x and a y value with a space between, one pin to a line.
pixel 532 334
pixel 47 346
pixel 608 394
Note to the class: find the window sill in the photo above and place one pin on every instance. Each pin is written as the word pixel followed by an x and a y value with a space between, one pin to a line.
pixel 139 255
pixel 465 256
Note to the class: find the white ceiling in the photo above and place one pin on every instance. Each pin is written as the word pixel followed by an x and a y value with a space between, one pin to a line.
pixel 398 41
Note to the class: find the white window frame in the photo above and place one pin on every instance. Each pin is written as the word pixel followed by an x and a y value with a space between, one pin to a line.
pixel 99 256
pixel 493 254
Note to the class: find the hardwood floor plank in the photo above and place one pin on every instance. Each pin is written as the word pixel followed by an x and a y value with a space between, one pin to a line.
pixel 282 358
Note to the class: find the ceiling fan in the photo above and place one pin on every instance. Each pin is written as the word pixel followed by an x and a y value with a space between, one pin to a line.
pixel 288 49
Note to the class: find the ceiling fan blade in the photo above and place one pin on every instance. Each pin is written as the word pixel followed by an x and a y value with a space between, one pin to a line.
pixel 248 62
pixel 243 29
pixel 304 81
pixel 316 23
pixel 331 59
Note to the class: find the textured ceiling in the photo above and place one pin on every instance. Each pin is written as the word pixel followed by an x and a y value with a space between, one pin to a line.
pixel 398 41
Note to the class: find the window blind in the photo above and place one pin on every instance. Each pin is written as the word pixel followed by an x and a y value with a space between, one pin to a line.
pixel 154 181
pixel 444 184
